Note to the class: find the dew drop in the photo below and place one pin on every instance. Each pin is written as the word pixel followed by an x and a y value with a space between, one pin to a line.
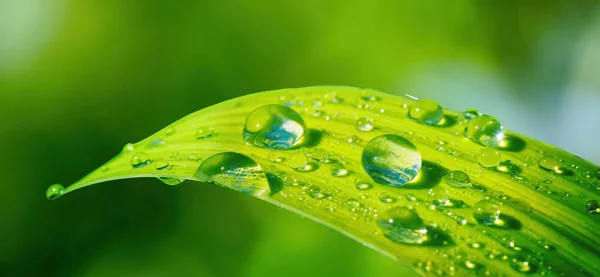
pixel 140 159
pixel 54 191
pixel 476 245
pixel 522 264
pixel 170 181
pixel 551 164
pixel 486 212
pixel 275 127
pixel 363 186
pixel 387 199
pixel 426 112
pixel 339 170
pixel 457 179
pixel 276 157
pixel 364 125
pixel 403 225
pixel 438 196
pixel 485 130
pixel 128 147
pixel 297 159
pixel 488 157
pixel 391 160
pixel 471 113
pixel 592 207
pixel 205 132
pixel 315 192
pixel 161 164
pixel 235 171
pixel 353 139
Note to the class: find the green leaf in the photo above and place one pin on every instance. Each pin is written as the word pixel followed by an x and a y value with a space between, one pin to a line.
pixel 495 203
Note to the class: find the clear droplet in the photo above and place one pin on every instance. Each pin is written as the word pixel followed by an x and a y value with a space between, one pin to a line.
pixel 170 181
pixel 476 245
pixel 315 192
pixel 486 212
pixel 140 159
pixel 386 198
pixel 235 171
pixel 485 130
pixel 522 264
pixel 403 225
pixel 592 207
pixel 457 179
pixel 54 191
pixel 353 139
pixel 471 113
pixel 128 147
pixel 161 164
pixel 551 164
pixel 439 196
pixel 363 186
pixel 426 112
pixel 364 125
pixel 488 157
pixel 276 157
pixel 339 170
pixel 353 204
pixel 391 160
pixel 275 127
pixel 204 132
pixel 297 159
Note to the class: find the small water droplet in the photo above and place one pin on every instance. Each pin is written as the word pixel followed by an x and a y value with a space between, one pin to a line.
pixel 364 125
pixel 235 171
pixel 363 186
pixel 276 157
pixel 140 159
pixel 426 112
pixel 551 164
pixel 353 139
pixel 193 157
pixel 438 196
pixel 488 157
pixel 315 192
pixel 170 181
pixel 339 170
pixel 297 159
pixel 592 207
pixel 205 132
pixel 486 212
pixel 104 168
pixel 353 204
pixel 275 127
pixel 403 225
pixel 128 147
pixel 391 160
pixel 321 156
pixel 169 131
pixel 522 264
pixel 485 130
pixel 54 191
pixel 461 220
pixel 161 164
pixel 385 198
pixel 476 245
pixel 471 113
pixel 457 179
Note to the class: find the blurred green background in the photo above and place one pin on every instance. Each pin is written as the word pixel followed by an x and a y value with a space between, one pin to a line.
pixel 79 79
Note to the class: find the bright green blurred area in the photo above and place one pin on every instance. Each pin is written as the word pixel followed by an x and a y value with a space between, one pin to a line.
pixel 79 79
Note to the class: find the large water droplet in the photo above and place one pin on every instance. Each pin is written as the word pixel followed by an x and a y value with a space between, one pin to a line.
pixel 140 159
pixel 485 130
pixel 54 191
pixel 457 179
pixel 551 164
pixel 274 126
pixel 592 207
pixel 489 157
pixel 391 160
pixel 234 170
pixel 426 112
pixel 403 225
pixel 486 212
pixel 364 125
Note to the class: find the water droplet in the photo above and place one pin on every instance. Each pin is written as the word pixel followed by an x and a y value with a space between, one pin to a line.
pixel 438 196
pixel 592 207
pixel 276 157
pixel 193 157
pixel 471 113
pixel 204 132
pixel 236 171
pixel 370 98
pixel 275 127
pixel 353 204
pixel 54 191
pixel 104 168
pixel 315 192
pixel 161 164
pixel 363 186
pixel 387 199
pixel 128 147
pixel 522 264
pixel 140 159
pixel 488 157
pixel 297 159
pixel 169 131
pixel 403 225
pixel 353 139
pixel 476 245
pixel 598 173
pixel 485 130
pixel 364 125
pixel 170 181
pixel 321 156
pixel 391 160
pixel 508 167
pixel 426 112
pixel 339 170
pixel 551 164
pixel 486 212
pixel 457 179
pixel 461 220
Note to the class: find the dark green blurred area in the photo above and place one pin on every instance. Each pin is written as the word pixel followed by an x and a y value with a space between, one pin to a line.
pixel 79 79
